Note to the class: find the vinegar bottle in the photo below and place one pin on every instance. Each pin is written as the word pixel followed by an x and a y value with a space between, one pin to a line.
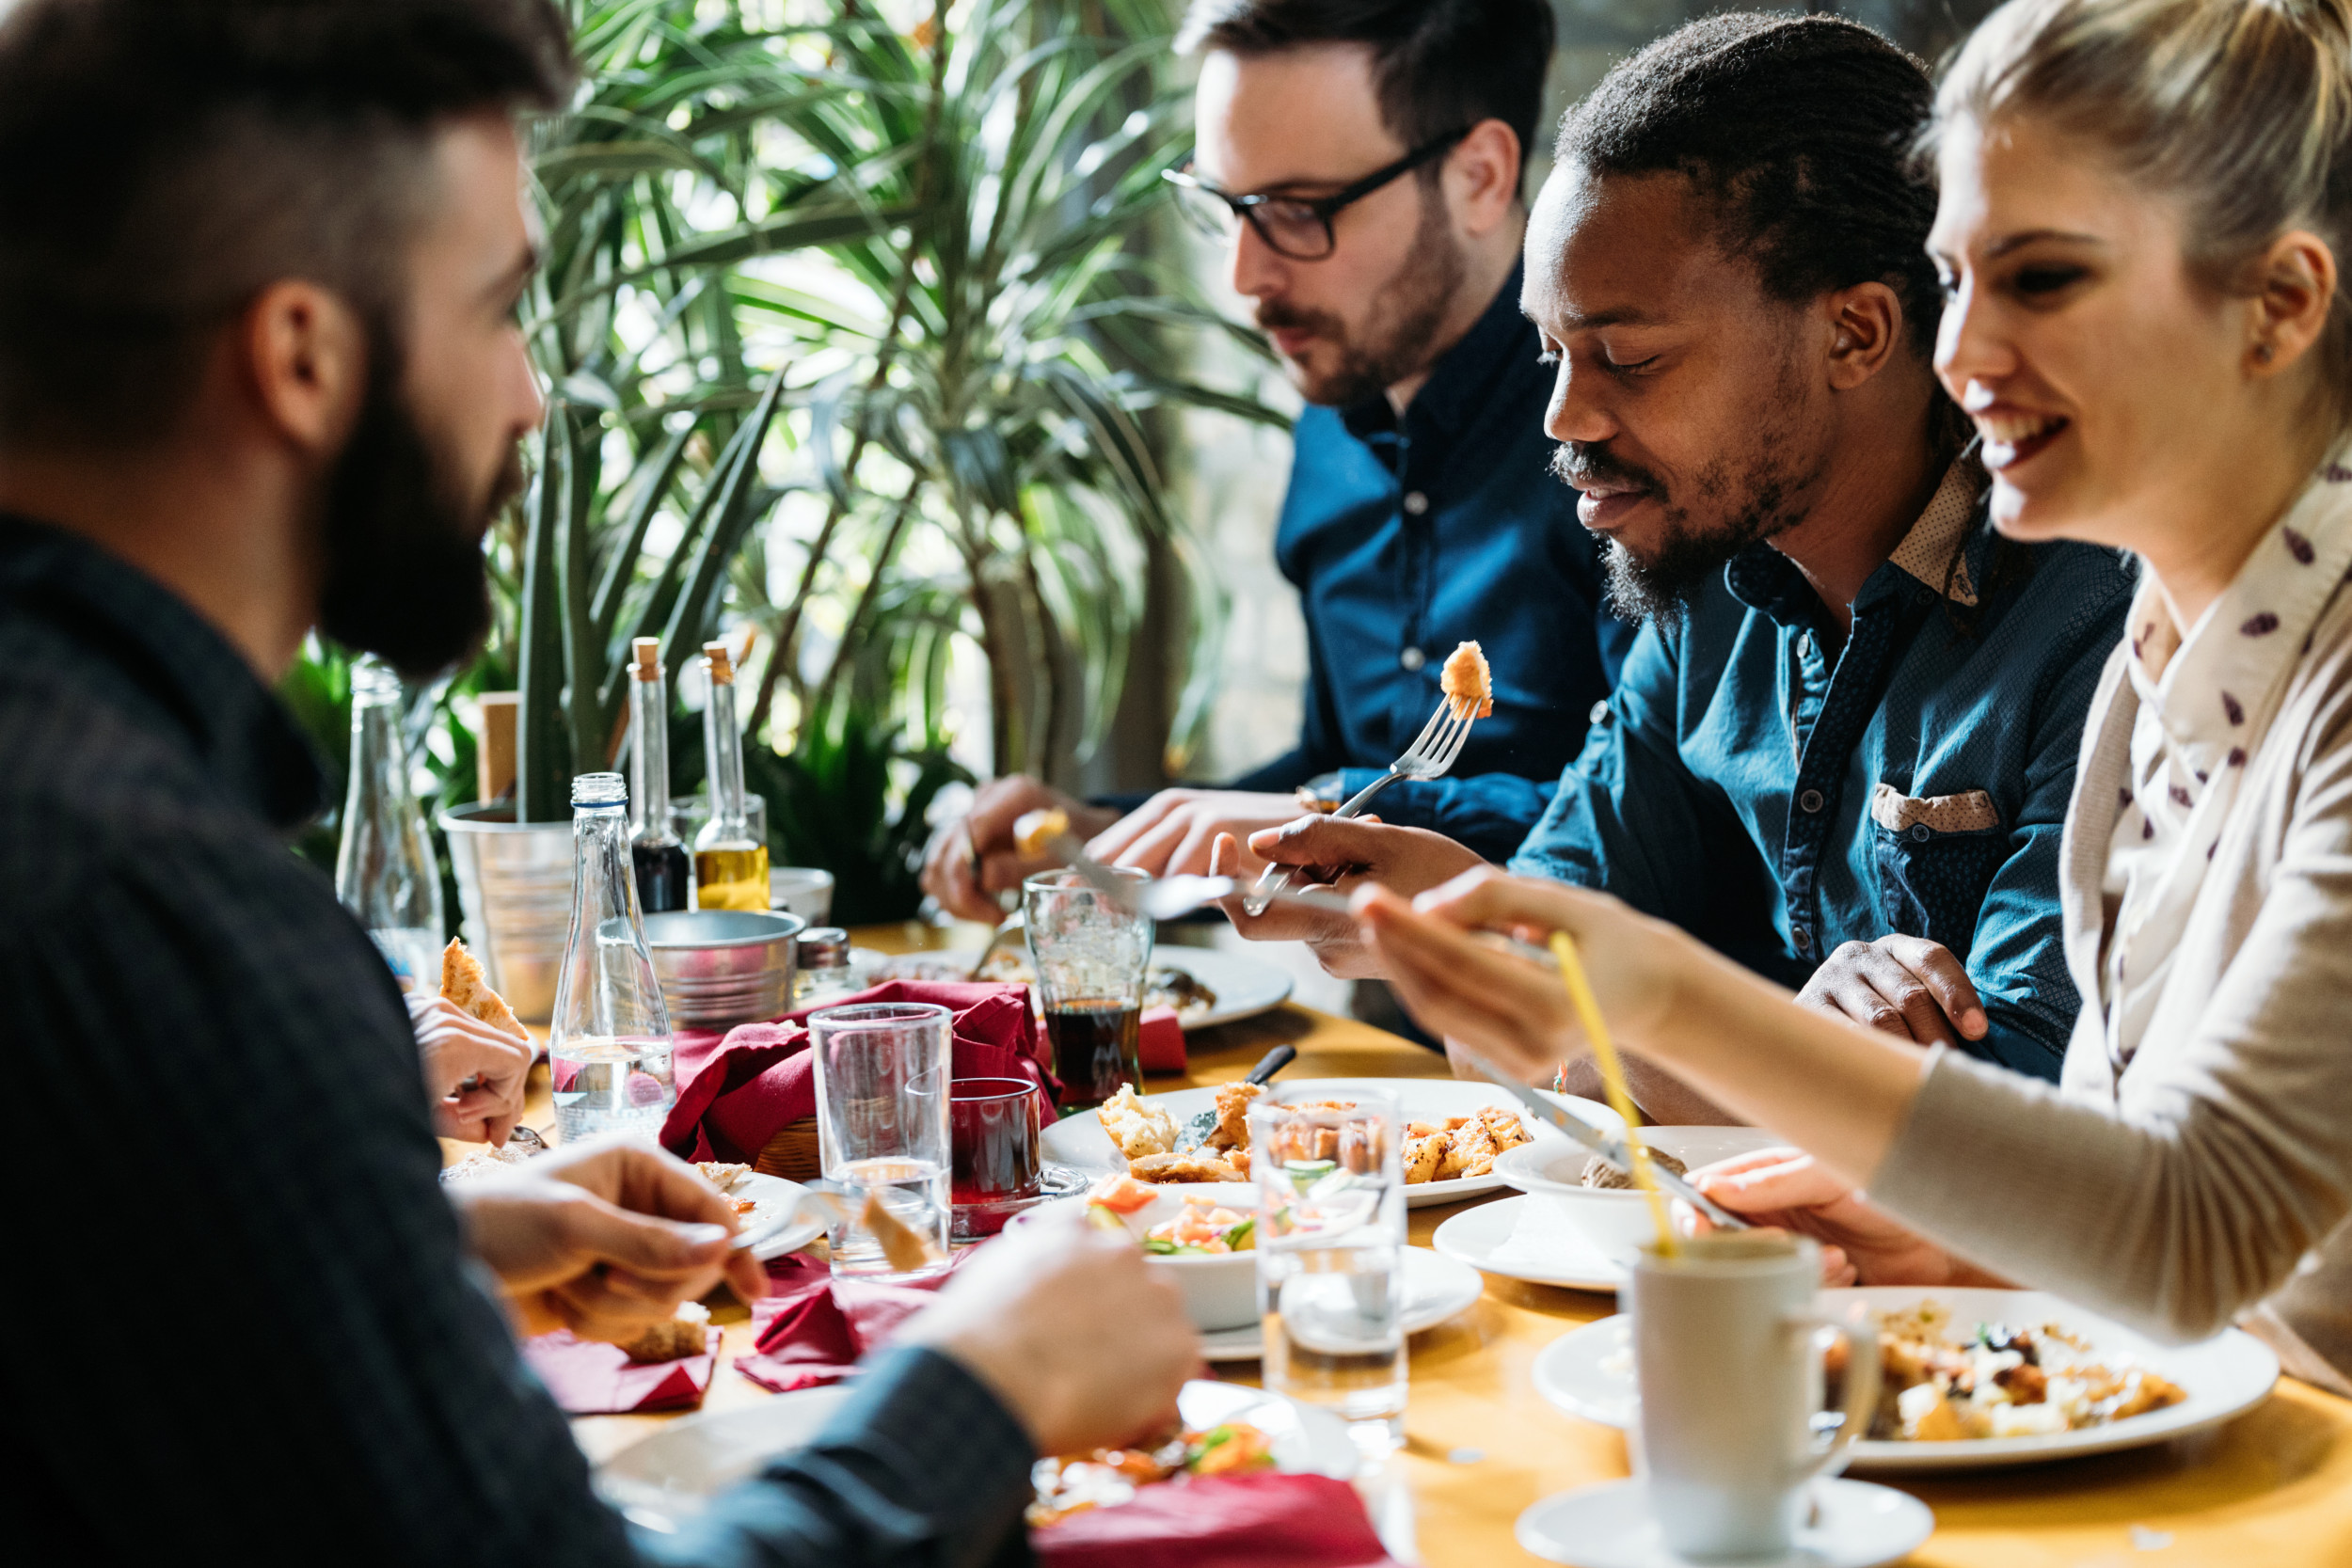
pixel 663 873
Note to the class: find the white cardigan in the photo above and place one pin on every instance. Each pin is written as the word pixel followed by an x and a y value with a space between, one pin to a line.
pixel 2212 1177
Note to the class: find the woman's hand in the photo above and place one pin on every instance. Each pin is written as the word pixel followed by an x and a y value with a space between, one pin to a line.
pixel 1498 1006
pixel 1786 1189
pixel 457 1047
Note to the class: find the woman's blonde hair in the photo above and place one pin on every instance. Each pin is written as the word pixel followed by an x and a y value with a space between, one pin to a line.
pixel 2241 110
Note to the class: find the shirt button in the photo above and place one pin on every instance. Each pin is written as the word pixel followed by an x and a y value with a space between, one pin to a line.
pixel 1415 502
pixel 1811 802
pixel 1801 939
pixel 1412 658
pixel 1919 833
pixel 1601 712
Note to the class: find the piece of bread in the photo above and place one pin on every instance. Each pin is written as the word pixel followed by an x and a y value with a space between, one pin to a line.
pixel 674 1339
pixel 463 983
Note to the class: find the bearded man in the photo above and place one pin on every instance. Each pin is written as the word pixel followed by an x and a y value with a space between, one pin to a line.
pixel 1361 159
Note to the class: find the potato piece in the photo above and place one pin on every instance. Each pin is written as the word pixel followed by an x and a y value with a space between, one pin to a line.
pixel 1421 1156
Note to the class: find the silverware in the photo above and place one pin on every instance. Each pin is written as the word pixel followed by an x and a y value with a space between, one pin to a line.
pixel 1197 1130
pixel 1609 1148
pixel 809 1197
pixel 529 1138
pixel 1017 921
pixel 1432 753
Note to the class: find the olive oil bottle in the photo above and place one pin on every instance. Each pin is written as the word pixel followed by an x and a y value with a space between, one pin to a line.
pixel 730 865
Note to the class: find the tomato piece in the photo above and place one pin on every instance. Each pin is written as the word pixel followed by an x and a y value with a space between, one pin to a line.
pixel 1120 1194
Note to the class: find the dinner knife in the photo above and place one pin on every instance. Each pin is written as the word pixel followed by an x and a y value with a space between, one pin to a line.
pixel 1609 1148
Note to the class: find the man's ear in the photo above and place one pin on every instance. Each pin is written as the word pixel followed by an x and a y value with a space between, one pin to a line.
pixel 305 357
pixel 1482 177
pixel 1866 329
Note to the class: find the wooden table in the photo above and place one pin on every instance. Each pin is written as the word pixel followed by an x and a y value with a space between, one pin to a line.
pixel 2273 1488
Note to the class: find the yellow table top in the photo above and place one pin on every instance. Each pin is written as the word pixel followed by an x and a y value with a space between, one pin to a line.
pixel 2272 1488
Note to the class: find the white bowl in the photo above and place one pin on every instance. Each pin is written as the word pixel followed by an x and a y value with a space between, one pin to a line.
pixel 1617 1220
pixel 805 890
pixel 1221 1290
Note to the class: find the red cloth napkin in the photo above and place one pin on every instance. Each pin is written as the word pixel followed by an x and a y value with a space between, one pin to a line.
pixel 1162 1045
pixel 736 1091
pixel 589 1377
pixel 812 1329
pixel 1255 1521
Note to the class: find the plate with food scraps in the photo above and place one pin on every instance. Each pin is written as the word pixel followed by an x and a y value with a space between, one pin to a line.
pixel 758 1198
pixel 1944 1350
pixel 1205 986
pixel 669 1476
pixel 1080 1140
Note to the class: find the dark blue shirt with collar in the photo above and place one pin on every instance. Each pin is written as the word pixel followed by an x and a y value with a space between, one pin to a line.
pixel 1405 537
pixel 1776 794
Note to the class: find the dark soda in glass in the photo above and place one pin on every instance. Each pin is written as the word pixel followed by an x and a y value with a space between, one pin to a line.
pixel 1096 1049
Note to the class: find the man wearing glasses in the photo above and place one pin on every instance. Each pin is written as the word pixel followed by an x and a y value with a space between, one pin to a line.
pixel 1361 162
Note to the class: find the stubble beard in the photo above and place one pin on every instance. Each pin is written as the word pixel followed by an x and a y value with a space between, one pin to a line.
pixel 1400 332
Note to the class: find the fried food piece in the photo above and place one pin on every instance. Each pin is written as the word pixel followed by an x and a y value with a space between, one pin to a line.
pixel 1232 1111
pixel 904 1249
pixel 674 1339
pixel 1173 1169
pixel 1467 682
pixel 1138 1129
pixel 1037 830
pixel 720 1174
pixel 1601 1173
pixel 1421 1156
pixel 463 983
pixel 1504 1127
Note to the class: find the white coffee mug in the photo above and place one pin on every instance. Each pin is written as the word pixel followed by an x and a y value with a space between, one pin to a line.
pixel 1729 1354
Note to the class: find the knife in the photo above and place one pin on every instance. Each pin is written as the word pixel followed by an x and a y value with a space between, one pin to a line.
pixel 817 1198
pixel 1611 1149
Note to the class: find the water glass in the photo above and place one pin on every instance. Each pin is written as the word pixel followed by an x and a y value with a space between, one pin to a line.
pixel 1330 1250
pixel 992 1144
pixel 881 1127
pixel 1091 957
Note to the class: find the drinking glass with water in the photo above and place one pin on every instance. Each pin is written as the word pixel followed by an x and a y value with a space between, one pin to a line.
pixel 882 1129
pixel 1331 1255
pixel 608 1043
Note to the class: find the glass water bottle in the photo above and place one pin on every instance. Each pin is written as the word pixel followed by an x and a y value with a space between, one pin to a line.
pixel 384 873
pixel 610 1040
pixel 730 865
pixel 663 874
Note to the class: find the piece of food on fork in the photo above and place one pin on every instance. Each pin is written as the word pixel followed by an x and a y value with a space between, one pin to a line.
pixel 1036 831
pixel 1467 682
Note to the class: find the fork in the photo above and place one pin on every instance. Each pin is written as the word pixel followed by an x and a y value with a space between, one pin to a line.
pixel 1429 756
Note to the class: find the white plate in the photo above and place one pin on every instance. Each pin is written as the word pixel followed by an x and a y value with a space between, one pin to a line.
pixel 1436 1288
pixel 1080 1141
pixel 1245 986
pixel 1526 1238
pixel 1611 1526
pixel 670 1475
pixel 769 1195
pixel 1588 1373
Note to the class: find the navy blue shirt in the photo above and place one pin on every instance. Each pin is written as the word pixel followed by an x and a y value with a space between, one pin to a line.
pixel 1406 537
pixel 1776 794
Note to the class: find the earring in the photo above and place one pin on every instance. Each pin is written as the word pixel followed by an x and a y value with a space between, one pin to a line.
pixel 2261 353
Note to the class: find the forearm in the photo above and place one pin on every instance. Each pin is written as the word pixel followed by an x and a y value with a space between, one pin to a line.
pixel 1665 1099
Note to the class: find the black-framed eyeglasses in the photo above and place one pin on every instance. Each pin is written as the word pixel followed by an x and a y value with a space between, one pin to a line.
pixel 1298 227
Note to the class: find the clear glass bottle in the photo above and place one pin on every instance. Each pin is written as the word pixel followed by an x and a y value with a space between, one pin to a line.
pixel 385 872
pixel 730 864
pixel 664 876
pixel 609 1042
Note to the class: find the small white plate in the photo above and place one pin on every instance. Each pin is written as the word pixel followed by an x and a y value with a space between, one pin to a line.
pixel 1244 986
pixel 1526 1238
pixel 1611 1526
pixel 1589 1372
pixel 1436 1288
pixel 769 1195
pixel 671 1474
pixel 1080 1141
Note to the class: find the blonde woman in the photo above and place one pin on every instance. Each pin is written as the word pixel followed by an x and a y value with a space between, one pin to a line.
pixel 2143 207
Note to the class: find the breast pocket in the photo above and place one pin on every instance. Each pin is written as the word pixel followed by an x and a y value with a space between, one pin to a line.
pixel 1936 856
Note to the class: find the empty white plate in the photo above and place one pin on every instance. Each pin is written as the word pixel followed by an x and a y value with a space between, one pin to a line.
pixel 1611 1525
pixel 1526 1238
pixel 1436 1288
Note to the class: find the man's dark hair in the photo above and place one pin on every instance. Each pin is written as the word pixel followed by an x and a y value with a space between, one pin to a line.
pixel 162 161
pixel 1796 130
pixel 1439 66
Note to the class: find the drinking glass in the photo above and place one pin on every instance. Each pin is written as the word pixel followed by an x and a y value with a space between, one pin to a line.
pixel 1331 1256
pixel 1091 957
pixel 992 1144
pixel 881 1127
pixel 1729 1354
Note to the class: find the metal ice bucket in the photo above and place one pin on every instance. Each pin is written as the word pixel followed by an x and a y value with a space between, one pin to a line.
pixel 719 968
pixel 515 885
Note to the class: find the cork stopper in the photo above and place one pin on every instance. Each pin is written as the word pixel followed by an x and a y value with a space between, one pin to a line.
pixel 648 659
pixel 722 665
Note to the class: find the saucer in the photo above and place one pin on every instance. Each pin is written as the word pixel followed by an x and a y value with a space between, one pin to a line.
pixel 1436 1288
pixel 1611 1525
pixel 1527 1238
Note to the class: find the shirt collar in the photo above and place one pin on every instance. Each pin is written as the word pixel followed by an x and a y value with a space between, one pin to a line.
pixel 1935 552
pixel 117 616
pixel 1459 384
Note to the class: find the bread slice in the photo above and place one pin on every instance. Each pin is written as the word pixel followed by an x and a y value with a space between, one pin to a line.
pixel 463 983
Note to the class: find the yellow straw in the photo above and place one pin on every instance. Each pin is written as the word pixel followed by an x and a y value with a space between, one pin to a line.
pixel 1613 1080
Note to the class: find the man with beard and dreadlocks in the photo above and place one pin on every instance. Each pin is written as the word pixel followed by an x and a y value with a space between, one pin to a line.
pixel 1360 161
pixel 1840 750
pixel 260 372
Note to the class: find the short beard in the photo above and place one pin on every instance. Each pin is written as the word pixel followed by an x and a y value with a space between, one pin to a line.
pixel 1400 329
pixel 405 577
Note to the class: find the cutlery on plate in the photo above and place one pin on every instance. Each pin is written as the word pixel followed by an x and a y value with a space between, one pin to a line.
pixel 776 1225
pixel 1017 921
pixel 1197 1130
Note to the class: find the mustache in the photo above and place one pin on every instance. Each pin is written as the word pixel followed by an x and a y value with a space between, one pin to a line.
pixel 1583 466
pixel 1278 314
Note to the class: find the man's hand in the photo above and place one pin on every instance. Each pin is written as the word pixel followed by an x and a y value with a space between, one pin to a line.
pixel 1786 1189
pixel 1170 834
pixel 604 1239
pixel 1069 1328
pixel 1340 854
pixel 1907 987
pixel 453 1047
pixel 972 859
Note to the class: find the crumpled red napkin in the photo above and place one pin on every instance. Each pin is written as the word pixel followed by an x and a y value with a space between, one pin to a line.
pixel 812 1329
pixel 1255 1521
pixel 588 1377
pixel 736 1091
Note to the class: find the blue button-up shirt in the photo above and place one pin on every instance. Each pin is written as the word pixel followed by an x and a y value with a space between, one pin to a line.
pixel 1777 795
pixel 1405 538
